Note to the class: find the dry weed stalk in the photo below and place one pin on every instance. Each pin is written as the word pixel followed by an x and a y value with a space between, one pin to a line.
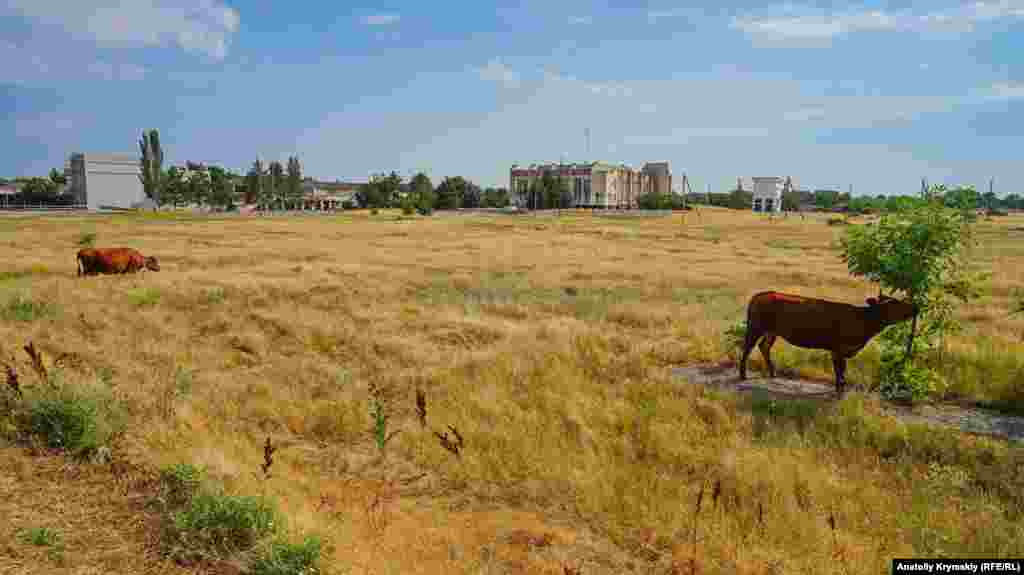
pixel 453 446
pixel 268 457
pixel 696 525
pixel 421 407
pixel 378 512
pixel 12 378
pixel 37 361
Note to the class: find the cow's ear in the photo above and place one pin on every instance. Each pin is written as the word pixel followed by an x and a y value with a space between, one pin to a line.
pixel 872 301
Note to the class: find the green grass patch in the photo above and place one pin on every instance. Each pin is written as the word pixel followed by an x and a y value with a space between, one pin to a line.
pixel 144 297
pixel 221 524
pixel 87 239
pixel 21 307
pixel 41 537
pixel 179 483
pixel 284 558
pixel 75 418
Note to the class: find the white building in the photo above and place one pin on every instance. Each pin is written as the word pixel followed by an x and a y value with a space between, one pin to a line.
pixel 105 180
pixel 768 193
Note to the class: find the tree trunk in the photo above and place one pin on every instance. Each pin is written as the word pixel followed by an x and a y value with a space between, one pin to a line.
pixel 910 339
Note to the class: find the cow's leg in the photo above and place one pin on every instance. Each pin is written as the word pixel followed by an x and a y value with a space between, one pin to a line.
pixel 839 367
pixel 749 340
pixel 766 352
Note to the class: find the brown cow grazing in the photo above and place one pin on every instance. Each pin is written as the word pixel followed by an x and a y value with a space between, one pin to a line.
pixel 841 328
pixel 92 261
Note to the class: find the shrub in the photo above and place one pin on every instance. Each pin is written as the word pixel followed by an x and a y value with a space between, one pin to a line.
pixel 283 558
pixel 144 297
pixel 87 240
pixel 733 338
pixel 374 212
pixel 348 205
pixel 75 419
pixel 179 483
pixel 223 523
pixel 41 536
pixel 23 308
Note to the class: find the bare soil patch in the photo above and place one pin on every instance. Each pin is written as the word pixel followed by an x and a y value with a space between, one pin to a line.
pixel 968 419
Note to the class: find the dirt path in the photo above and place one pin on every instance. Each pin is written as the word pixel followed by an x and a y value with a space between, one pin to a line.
pixel 968 420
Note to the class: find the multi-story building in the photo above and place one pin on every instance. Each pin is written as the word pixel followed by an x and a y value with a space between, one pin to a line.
pixel 322 196
pixel 105 180
pixel 591 185
pixel 768 193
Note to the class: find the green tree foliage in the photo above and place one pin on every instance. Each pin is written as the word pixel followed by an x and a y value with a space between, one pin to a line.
pixel 741 200
pixel 151 164
pixel 963 199
pixel 197 188
pixel 391 189
pixel 174 187
pixel 220 188
pixel 472 197
pixel 791 201
pixel 294 187
pixel 919 253
pixel 826 199
pixel 58 179
pixel 421 194
pixel 449 193
pixel 277 193
pixel 254 183
pixel 495 198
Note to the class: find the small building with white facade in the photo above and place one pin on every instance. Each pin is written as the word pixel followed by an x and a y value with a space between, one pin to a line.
pixel 768 193
pixel 102 180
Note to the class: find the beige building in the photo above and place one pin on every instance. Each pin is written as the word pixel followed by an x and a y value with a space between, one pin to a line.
pixel 768 193
pixel 105 180
pixel 592 185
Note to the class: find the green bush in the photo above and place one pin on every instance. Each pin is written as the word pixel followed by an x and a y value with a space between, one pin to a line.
pixel 22 308
pixel 87 240
pixel 180 482
pixel 223 523
pixel 283 558
pixel 75 419
pixel 900 380
pixel 733 338
pixel 41 536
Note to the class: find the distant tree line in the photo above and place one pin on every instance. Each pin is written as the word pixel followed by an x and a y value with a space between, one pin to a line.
pixel 963 197
pixel 420 195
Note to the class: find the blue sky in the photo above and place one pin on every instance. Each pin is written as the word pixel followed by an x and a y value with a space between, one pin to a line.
pixel 874 95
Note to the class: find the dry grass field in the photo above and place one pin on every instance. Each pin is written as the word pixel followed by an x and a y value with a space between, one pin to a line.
pixel 546 342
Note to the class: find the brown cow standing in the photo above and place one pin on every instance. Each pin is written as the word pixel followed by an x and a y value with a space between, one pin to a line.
pixel 841 328
pixel 92 261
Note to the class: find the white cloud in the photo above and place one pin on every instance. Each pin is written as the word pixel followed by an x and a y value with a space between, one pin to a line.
pixel 791 23
pixel 804 115
pixel 1003 91
pixel 112 72
pixel 499 73
pixel 655 15
pixel 381 19
pixel 40 60
pixel 581 20
pixel 198 26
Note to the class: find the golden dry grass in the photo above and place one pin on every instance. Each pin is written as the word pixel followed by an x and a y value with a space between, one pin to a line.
pixel 545 342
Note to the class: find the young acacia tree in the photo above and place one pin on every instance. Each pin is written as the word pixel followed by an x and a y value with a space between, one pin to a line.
pixel 920 254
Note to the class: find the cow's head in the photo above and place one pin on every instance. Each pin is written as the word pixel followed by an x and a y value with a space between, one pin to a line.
pixel 891 310
pixel 152 264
